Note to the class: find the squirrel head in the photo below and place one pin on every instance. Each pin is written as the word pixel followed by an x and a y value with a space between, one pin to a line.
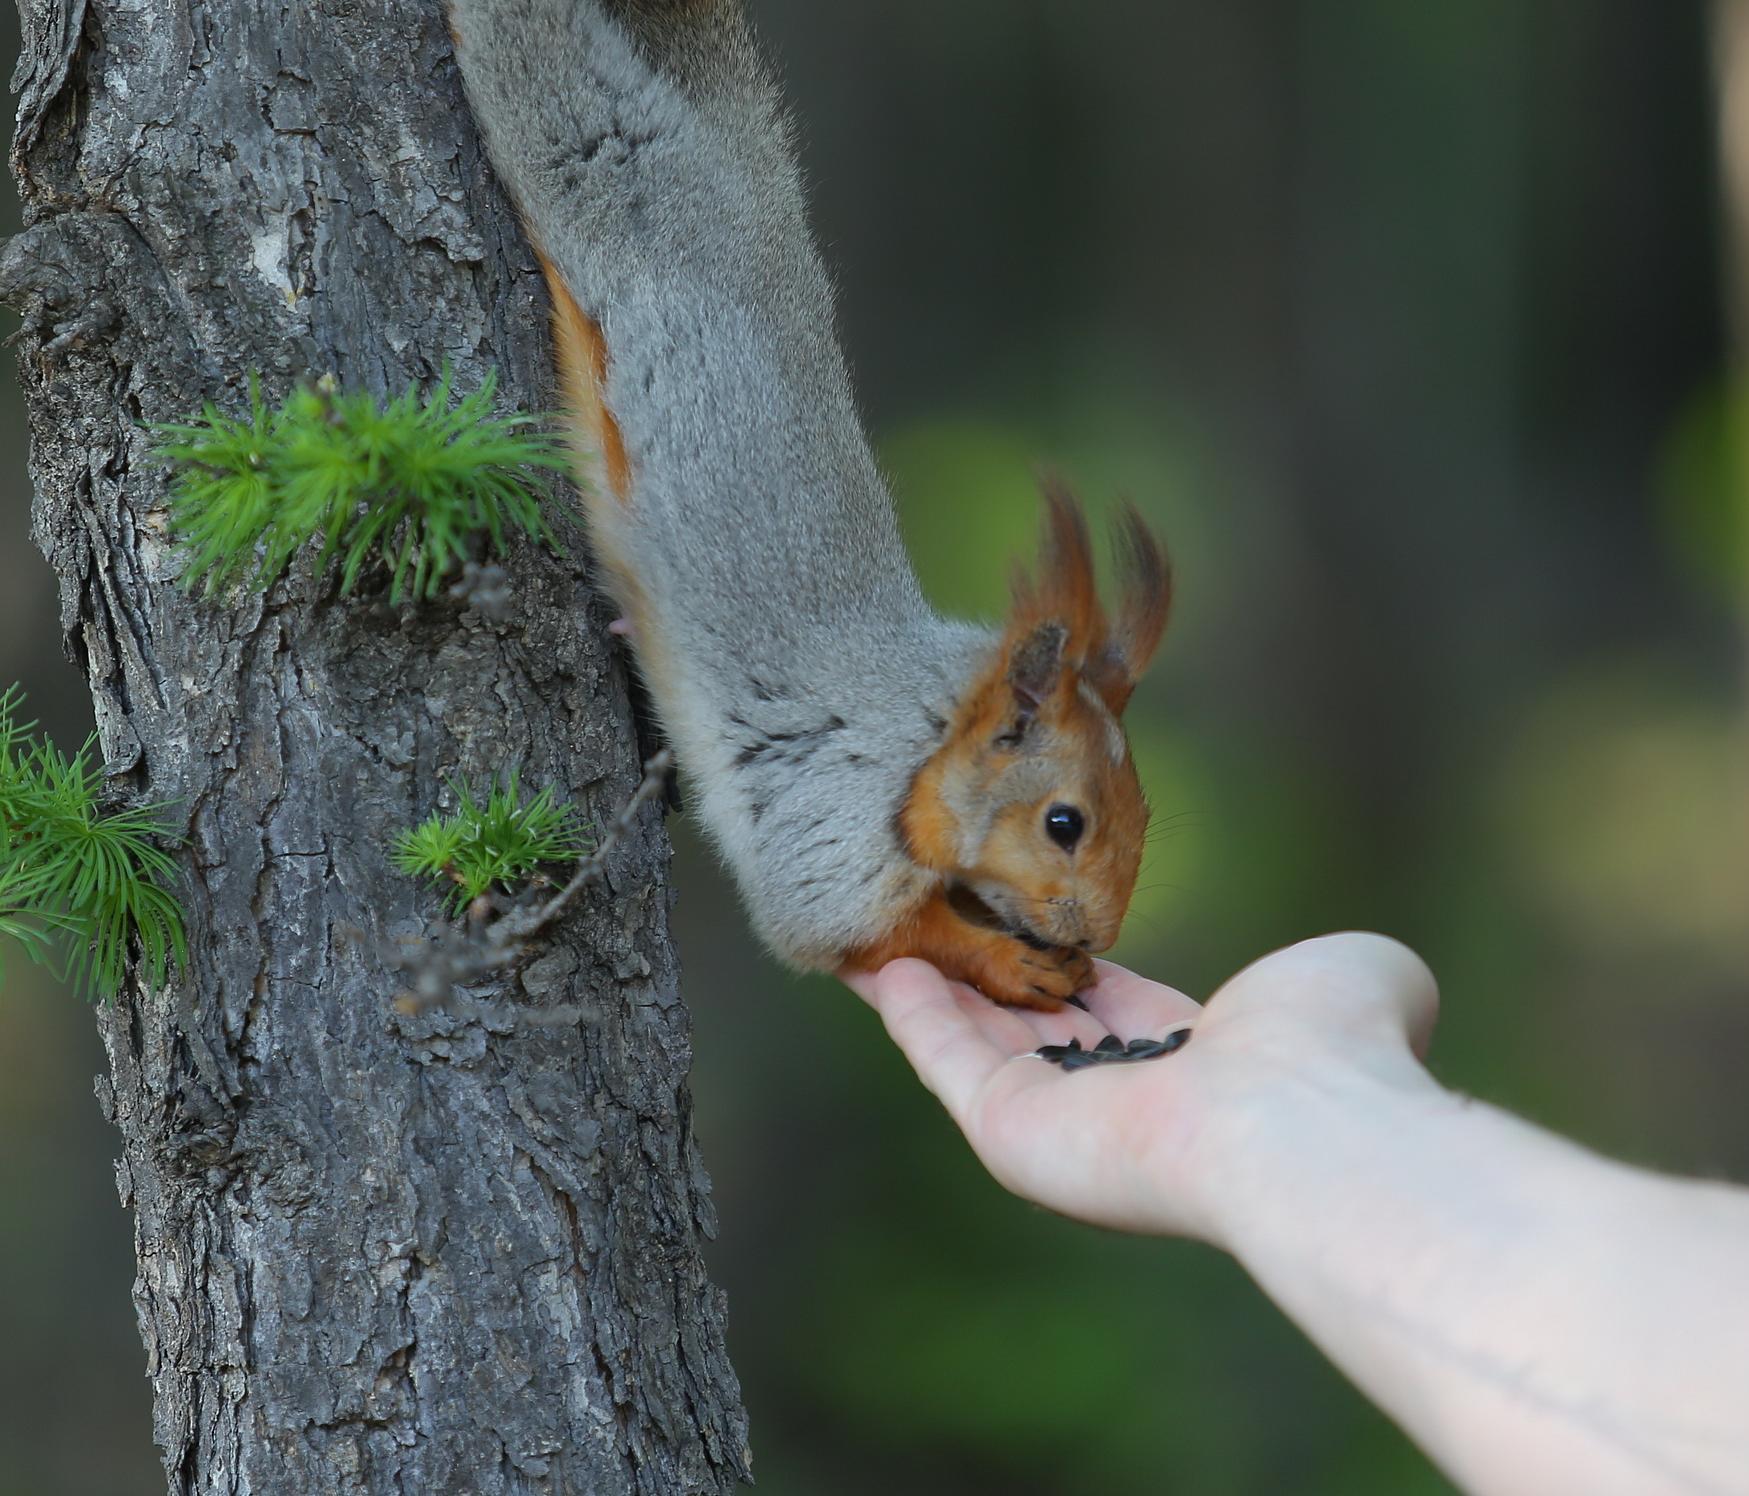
pixel 1031 810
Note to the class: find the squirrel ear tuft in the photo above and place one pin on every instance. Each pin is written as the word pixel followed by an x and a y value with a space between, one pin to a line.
pixel 1035 665
pixel 1057 622
pixel 1145 577
pixel 1066 591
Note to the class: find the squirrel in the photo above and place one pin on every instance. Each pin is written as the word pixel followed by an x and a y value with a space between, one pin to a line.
pixel 881 781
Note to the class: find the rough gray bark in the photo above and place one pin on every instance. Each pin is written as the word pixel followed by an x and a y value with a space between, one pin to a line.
pixel 376 1253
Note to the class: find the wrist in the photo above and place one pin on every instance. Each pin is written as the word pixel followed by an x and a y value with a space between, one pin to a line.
pixel 1275 1123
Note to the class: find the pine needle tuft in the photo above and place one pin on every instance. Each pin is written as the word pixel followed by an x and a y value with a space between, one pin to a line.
pixel 79 886
pixel 419 483
pixel 497 844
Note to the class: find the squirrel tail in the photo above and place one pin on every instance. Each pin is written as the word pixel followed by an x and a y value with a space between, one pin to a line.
pixel 643 142
pixel 627 127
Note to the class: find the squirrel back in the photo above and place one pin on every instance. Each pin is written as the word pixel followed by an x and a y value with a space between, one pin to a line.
pixel 816 702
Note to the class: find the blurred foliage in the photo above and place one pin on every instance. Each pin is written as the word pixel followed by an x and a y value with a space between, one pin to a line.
pixel 1402 325
pixel 1706 488
pixel 1624 807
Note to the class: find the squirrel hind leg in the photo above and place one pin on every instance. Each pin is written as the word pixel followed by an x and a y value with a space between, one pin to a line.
pixel 580 352
pixel 604 477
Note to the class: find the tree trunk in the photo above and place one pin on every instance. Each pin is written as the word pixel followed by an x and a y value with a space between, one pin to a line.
pixel 456 1251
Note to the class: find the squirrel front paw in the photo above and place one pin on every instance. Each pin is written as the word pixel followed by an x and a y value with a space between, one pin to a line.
pixel 1022 976
pixel 1004 968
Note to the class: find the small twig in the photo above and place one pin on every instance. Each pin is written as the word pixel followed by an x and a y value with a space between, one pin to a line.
pixel 485 589
pixel 518 925
pixel 458 955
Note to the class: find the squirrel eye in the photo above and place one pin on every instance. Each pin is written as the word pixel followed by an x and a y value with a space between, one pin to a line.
pixel 1064 825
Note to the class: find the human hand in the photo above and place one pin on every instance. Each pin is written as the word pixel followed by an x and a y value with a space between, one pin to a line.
pixel 1153 1146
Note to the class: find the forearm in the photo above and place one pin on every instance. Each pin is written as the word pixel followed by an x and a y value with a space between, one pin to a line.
pixel 1537 1318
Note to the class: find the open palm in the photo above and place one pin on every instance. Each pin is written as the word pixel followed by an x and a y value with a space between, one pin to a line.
pixel 1126 1145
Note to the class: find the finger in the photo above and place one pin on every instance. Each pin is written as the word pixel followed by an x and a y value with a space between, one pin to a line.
pixel 955 1039
pixel 1057 1027
pixel 864 983
pixel 1383 974
pixel 1133 1007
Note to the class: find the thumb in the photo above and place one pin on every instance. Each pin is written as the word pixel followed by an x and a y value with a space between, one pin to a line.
pixel 1352 980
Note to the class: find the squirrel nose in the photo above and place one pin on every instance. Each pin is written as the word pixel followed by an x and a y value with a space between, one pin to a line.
pixel 1071 922
pixel 1084 929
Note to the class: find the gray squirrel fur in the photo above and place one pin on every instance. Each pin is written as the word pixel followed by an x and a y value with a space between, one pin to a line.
pixel 645 146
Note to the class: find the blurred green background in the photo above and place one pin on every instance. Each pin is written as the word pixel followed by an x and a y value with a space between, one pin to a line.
pixel 1407 325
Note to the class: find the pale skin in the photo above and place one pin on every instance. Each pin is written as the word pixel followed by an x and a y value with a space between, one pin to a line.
pixel 1537 1318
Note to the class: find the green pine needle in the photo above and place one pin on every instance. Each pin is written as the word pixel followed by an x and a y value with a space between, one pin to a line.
pixel 495 845
pixel 413 481
pixel 77 882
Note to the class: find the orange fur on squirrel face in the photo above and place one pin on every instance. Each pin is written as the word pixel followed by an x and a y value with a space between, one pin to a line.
pixel 1031 812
